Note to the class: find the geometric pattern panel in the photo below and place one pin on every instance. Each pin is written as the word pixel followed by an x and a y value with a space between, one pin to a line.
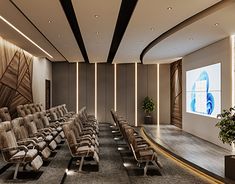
pixel 15 76
pixel 176 93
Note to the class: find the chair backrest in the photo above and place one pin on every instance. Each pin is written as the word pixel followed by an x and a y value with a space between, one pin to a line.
pixel 41 107
pixel 53 114
pixel 20 111
pixel 20 128
pixel 4 114
pixel 27 109
pixel 37 107
pixel 7 138
pixel 38 119
pixel 44 118
pixel 32 108
pixel 30 124
pixel 70 137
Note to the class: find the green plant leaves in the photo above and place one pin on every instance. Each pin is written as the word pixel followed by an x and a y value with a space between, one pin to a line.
pixel 227 125
pixel 148 105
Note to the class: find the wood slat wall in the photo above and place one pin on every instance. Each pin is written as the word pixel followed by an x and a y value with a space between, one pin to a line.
pixel 15 76
pixel 176 93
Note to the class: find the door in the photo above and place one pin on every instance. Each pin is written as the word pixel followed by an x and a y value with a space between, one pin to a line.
pixel 48 94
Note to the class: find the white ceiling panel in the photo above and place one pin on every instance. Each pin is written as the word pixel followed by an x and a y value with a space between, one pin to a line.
pixel 50 19
pixel 150 19
pixel 9 12
pixel 195 36
pixel 97 20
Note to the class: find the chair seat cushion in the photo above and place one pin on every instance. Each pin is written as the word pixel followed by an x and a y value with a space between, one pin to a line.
pixel 21 154
pixel 41 145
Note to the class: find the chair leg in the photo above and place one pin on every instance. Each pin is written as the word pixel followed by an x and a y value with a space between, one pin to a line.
pixel 16 171
pixel 81 163
pixel 146 168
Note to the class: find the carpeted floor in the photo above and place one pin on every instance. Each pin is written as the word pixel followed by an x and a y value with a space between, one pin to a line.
pixel 114 155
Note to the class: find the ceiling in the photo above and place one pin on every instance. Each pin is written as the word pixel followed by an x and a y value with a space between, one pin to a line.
pixel 47 24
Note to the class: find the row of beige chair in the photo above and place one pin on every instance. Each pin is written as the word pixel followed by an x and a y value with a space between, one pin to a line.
pixel 26 109
pixel 142 151
pixel 82 137
pixel 29 140
pixel 4 114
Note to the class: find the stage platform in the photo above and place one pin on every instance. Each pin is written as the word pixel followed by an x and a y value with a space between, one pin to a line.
pixel 199 153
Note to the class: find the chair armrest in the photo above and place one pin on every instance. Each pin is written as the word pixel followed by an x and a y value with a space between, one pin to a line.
pixel 21 147
pixel 27 141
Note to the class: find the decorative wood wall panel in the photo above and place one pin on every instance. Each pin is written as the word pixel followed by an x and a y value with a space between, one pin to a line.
pixel 15 76
pixel 176 93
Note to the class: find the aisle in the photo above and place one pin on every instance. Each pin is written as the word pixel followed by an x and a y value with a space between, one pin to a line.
pixel 111 169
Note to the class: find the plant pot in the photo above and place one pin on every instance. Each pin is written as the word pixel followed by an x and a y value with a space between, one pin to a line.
pixel 229 166
pixel 148 120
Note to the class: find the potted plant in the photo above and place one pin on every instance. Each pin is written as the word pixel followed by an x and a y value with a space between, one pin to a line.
pixel 148 107
pixel 227 135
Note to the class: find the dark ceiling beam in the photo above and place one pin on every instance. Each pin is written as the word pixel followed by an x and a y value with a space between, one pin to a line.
pixel 71 17
pixel 185 23
pixel 124 16
pixel 37 29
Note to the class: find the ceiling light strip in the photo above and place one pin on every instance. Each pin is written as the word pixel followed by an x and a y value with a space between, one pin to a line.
pixel 12 26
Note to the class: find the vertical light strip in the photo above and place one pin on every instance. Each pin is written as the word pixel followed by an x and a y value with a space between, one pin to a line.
pixel 158 102
pixel 115 87
pixel 136 83
pixel 233 80
pixel 77 85
pixel 232 51
pixel 96 90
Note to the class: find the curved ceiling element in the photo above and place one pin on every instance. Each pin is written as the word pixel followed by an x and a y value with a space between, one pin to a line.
pixel 124 16
pixel 70 14
pixel 97 20
pixel 150 19
pixel 191 20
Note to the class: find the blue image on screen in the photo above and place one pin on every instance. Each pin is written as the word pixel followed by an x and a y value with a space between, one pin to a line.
pixel 209 97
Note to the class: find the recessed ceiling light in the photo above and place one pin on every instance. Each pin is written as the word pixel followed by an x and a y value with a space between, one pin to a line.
pixel 96 16
pixel 169 8
pixel 97 32
pixel 216 24
pixel 49 21
pixel 152 28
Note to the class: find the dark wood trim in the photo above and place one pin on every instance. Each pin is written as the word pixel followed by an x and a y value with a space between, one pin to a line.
pixel 72 19
pixel 124 16
pixel 37 29
pixel 185 23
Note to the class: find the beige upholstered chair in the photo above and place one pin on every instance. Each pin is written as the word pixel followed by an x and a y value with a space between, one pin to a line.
pixel 20 111
pixel 4 114
pixel 143 153
pixel 41 134
pixel 21 133
pixel 78 150
pixel 14 153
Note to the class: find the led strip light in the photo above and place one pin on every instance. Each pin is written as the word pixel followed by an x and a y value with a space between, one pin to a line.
pixel 77 86
pixel 95 90
pixel 136 83
pixel 158 114
pixel 12 26
pixel 115 87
